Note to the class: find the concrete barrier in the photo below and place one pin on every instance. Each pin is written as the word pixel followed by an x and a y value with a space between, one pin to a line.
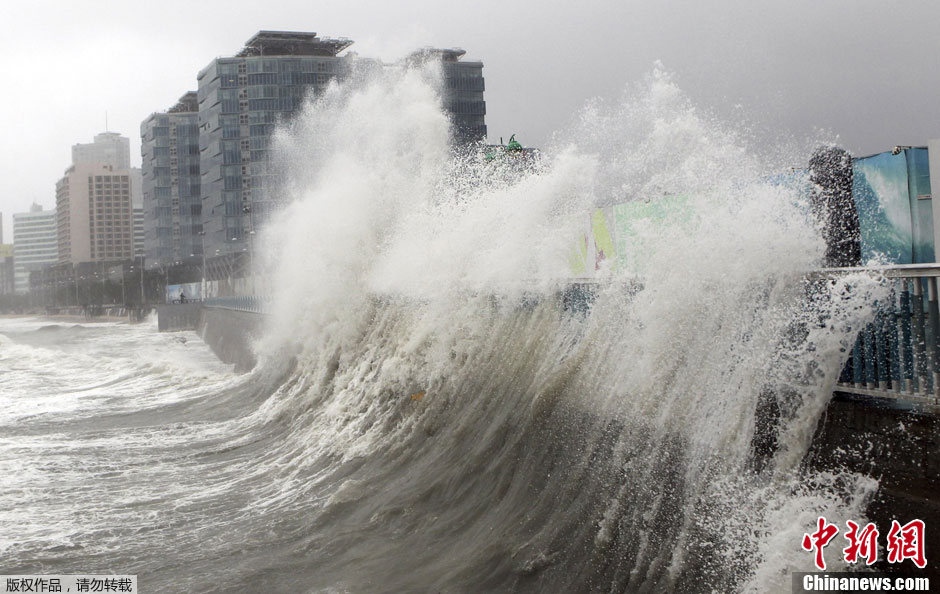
pixel 231 334
pixel 179 316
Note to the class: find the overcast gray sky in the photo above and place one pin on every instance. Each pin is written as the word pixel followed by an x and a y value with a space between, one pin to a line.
pixel 864 70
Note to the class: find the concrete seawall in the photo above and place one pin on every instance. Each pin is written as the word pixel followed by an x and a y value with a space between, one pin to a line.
pixel 171 318
pixel 231 334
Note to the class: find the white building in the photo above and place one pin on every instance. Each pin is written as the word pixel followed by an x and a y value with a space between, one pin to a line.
pixel 34 244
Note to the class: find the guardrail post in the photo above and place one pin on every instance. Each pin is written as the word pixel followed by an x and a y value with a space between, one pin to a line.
pixel 858 363
pixel 933 334
pixel 881 349
pixel 907 359
pixel 868 350
pixel 920 350
pixel 894 345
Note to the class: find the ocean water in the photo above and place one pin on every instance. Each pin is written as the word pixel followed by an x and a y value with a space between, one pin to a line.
pixel 426 416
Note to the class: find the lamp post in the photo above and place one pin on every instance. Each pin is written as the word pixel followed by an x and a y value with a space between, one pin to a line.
pixel 143 295
pixel 204 288
pixel 231 268
pixel 251 258
pixel 251 237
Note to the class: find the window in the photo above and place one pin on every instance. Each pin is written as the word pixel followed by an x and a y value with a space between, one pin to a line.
pixel 262 129
pixel 232 182
pixel 262 79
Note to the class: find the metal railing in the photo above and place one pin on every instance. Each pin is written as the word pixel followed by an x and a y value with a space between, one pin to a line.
pixel 897 355
pixel 260 304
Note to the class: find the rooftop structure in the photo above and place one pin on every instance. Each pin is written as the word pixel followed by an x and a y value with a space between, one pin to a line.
pixel 186 104
pixel 443 54
pixel 108 148
pixel 292 43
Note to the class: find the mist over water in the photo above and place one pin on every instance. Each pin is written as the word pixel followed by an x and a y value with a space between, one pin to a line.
pixel 426 415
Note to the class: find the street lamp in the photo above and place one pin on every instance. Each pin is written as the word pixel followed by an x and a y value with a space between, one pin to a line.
pixel 143 295
pixel 251 259
pixel 251 240
pixel 205 288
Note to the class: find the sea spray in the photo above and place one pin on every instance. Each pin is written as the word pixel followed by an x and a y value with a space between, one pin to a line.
pixel 550 451
pixel 553 451
pixel 433 411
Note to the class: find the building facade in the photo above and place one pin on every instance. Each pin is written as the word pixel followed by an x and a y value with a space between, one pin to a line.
pixel 35 244
pixel 462 93
pixel 241 99
pixel 7 269
pixel 94 202
pixel 108 148
pixel 95 218
pixel 172 204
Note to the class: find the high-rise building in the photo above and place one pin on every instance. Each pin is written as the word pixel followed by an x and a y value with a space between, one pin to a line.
pixel 94 201
pixel 462 93
pixel 6 263
pixel 34 244
pixel 240 100
pixel 172 205
pixel 7 270
pixel 109 148
pixel 95 222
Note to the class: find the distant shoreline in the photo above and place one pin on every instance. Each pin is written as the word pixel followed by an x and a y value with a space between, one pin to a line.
pixel 67 318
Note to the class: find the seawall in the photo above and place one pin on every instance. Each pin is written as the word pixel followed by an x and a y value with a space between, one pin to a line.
pixel 231 334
